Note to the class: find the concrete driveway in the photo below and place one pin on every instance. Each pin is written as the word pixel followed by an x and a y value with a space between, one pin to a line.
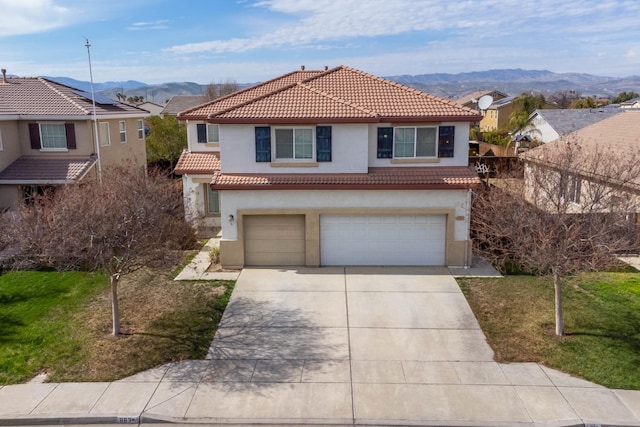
pixel 367 346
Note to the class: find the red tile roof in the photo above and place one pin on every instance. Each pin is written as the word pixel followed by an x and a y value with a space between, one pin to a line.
pixel 198 163
pixel 46 170
pixel 377 178
pixel 38 96
pixel 339 94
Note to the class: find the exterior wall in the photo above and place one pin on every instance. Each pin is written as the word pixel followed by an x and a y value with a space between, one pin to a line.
pixel 194 201
pixel 453 203
pixel 460 150
pixel 540 130
pixel 9 196
pixel 348 146
pixel 10 143
pixel 119 153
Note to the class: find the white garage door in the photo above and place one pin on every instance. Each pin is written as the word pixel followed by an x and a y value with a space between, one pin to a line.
pixel 382 239
pixel 274 240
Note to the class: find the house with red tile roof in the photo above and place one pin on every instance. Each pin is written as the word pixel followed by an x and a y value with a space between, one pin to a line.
pixel 47 136
pixel 331 167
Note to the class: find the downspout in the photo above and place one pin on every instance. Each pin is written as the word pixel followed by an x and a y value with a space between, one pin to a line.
pixel 468 225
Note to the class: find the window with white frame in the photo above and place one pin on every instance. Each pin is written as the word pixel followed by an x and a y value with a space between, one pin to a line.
pixel 140 129
pixel 104 134
pixel 212 200
pixel 122 127
pixel 570 187
pixel 53 136
pixel 213 133
pixel 294 143
pixel 410 142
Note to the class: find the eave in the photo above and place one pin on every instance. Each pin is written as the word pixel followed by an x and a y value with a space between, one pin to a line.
pixel 344 187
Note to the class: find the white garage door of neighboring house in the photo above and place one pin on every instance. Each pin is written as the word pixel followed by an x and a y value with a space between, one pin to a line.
pixel 382 239
pixel 274 240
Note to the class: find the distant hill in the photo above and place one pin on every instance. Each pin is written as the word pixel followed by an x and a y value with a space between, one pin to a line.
pixel 453 86
pixel 516 81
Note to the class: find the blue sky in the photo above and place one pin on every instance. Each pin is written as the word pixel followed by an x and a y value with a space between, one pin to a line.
pixel 156 41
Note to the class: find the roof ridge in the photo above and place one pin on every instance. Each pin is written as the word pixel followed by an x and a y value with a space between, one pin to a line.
pixel 407 88
pixel 222 98
pixel 339 99
pixel 50 85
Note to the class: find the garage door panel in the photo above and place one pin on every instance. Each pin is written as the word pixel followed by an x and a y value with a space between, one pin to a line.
pixel 274 239
pixel 382 239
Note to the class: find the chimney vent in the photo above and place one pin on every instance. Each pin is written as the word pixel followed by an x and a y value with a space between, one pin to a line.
pixel 302 67
pixel 326 67
pixel 4 76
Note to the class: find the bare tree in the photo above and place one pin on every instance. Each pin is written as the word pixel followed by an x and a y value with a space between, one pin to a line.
pixel 220 89
pixel 130 221
pixel 576 212
pixel 563 98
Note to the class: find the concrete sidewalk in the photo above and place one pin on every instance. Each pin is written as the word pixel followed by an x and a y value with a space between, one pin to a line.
pixel 336 346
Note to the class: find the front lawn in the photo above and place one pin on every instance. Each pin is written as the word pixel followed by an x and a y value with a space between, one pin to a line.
pixel 59 323
pixel 602 321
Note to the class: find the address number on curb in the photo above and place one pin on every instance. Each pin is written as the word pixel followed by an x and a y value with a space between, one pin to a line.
pixel 128 420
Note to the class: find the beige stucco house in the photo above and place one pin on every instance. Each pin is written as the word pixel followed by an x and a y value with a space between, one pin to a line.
pixel 47 136
pixel 331 167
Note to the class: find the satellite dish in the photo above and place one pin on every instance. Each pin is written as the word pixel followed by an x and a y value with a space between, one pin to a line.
pixel 485 101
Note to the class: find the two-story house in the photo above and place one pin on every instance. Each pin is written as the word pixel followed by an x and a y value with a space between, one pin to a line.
pixel 333 167
pixel 47 136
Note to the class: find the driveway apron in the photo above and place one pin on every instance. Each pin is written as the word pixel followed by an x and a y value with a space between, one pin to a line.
pixel 374 345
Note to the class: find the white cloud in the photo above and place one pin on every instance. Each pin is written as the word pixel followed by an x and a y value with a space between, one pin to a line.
pixel 32 16
pixel 155 25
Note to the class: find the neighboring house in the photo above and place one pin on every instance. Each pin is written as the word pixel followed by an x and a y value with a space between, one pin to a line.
pixel 179 103
pixel 334 167
pixel 600 172
pixel 471 100
pixel 632 103
pixel 153 108
pixel 497 116
pixel 47 136
pixel 548 125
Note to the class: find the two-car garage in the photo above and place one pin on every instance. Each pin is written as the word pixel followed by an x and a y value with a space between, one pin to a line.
pixel 347 239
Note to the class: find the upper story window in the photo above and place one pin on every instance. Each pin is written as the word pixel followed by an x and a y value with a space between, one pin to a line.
pixel 294 143
pixel 52 136
pixel 302 144
pixel 122 127
pixel 140 129
pixel 208 133
pixel 415 142
pixel 104 134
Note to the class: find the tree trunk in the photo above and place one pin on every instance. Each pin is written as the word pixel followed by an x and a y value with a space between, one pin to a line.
pixel 557 285
pixel 115 312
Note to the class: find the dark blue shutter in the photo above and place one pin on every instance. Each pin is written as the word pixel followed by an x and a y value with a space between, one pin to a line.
pixel 323 143
pixel 202 132
pixel 446 139
pixel 385 143
pixel 34 136
pixel 70 132
pixel 263 144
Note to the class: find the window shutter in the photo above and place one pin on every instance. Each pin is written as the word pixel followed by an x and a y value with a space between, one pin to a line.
pixel 202 132
pixel 70 132
pixel 323 143
pixel 446 139
pixel 263 144
pixel 385 143
pixel 34 136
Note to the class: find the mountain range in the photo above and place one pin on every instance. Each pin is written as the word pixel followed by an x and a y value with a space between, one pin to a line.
pixel 453 86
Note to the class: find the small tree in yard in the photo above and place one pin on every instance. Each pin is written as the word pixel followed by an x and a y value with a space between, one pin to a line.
pixel 130 221
pixel 573 214
pixel 166 140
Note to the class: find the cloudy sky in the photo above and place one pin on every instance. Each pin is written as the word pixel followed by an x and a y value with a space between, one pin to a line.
pixel 156 41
